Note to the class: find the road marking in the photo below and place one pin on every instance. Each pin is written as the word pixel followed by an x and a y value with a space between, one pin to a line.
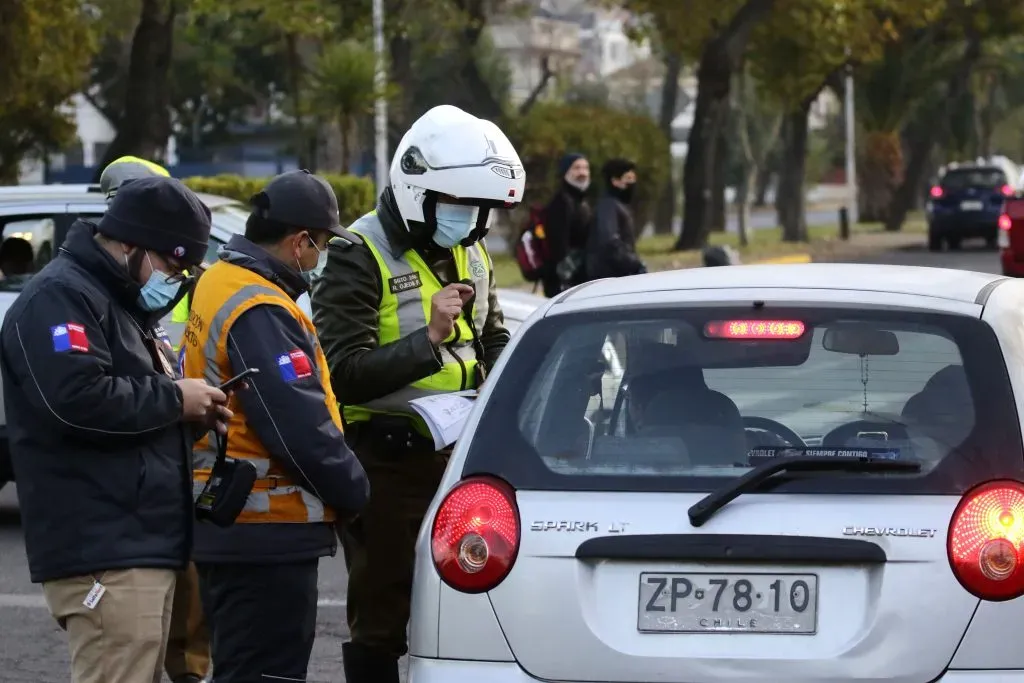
pixel 36 601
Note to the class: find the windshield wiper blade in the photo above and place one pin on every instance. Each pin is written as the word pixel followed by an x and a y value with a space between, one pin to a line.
pixel 707 506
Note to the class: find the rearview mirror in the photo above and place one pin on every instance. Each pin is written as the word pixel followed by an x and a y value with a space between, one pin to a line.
pixel 859 339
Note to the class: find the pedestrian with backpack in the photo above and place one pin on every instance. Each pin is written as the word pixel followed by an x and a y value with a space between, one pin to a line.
pixel 551 248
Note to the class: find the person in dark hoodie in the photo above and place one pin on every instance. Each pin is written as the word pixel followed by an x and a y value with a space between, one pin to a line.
pixel 101 427
pixel 568 218
pixel 611 248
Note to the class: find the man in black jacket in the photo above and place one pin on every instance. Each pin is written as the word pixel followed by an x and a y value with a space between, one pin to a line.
pixel 100 431
pixel 611 249
pixel 567 221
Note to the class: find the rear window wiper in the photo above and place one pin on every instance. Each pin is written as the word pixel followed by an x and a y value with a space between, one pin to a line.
pixel 707 506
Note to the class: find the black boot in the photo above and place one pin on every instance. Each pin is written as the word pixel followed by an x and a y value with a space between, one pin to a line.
pixel 366 665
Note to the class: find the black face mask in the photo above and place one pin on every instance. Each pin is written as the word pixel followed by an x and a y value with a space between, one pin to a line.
pixel 623 194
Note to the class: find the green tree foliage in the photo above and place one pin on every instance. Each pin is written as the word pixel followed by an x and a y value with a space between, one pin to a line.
pixel 47 45
pixel 550 130
pixel 342 89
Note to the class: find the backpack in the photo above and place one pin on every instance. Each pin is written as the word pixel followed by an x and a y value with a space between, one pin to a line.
pixel 532 248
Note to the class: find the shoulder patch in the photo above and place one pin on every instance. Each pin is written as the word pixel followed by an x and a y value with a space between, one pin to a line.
pixel 69 337
pixel 344 242
pixel 294 365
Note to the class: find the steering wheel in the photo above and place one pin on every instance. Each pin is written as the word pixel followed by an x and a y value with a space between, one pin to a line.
pixel 848 432
pixel 777 428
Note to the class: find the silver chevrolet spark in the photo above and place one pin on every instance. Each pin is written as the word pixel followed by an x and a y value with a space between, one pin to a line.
pixel 754 473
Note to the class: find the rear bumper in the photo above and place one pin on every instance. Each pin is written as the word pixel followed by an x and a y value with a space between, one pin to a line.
pixel 459 671
pixel 965 225
pixel 1012 262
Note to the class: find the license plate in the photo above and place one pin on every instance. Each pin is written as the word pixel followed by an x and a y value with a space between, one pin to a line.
pixel 971 206
pixel 728 603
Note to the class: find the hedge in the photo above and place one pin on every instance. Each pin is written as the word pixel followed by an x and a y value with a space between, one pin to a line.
pixel 551 130
pixel 355 195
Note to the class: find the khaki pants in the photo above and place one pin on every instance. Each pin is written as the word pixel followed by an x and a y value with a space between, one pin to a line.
pixel 188 647
pixel 124 637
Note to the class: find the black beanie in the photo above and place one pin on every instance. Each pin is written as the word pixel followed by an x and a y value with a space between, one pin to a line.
pixel 159 214
pixel 567 161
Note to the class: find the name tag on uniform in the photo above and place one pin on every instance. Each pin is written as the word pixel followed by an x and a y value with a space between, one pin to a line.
pixel 403 283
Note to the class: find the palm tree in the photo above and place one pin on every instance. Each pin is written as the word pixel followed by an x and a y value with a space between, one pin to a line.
pixel 342 89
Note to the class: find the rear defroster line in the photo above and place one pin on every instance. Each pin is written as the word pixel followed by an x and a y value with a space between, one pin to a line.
pixel 706 507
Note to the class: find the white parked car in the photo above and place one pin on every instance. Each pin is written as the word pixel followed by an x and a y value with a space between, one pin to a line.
pixel 796 473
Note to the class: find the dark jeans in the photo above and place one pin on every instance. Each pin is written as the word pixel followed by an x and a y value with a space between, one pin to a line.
pixel 262 619
pixel 380 545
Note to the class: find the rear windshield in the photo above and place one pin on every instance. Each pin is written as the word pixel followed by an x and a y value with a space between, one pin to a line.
pixel 679 400
pixel 983 178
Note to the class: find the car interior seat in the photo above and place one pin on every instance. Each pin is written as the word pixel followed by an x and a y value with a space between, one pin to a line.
pixel 677 401
pixel 943 410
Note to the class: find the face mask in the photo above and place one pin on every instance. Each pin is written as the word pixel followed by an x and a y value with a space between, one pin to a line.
pixel 580 185
pixel 454 223
pixel 321 263
pixel 157 293
pixel 624 194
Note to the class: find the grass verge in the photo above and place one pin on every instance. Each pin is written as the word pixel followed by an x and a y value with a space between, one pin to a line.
pixel 656 251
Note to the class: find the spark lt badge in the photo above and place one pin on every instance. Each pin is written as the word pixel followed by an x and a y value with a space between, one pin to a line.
pixel 566 525
pixel 888 531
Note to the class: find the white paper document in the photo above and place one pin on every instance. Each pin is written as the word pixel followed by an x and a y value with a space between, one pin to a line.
pixel 445 415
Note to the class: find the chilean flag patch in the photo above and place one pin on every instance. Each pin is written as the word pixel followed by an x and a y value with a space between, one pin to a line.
pixel 69 337
pixel 294 365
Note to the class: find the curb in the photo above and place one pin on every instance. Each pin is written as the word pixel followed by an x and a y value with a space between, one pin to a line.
pixel 790 258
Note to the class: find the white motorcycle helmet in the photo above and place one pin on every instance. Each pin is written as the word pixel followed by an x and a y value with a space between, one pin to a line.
pixel 452 156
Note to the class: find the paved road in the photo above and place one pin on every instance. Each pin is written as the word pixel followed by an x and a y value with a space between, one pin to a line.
pixel 32 649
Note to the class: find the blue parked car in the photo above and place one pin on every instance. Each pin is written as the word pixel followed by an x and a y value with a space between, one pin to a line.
pixel 967 202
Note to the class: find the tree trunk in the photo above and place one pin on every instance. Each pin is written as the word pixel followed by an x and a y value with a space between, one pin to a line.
pixel 10 170
pixel 719 59
pixel 345 128
pixel 665 212
pixel 761 187
pixel 790 198
pixel 295 78
pixel 145 121
pixel 478 98
pixel 718 180
pixel 880 174
pixel 932 135
pixel 987 115
pixel 743 203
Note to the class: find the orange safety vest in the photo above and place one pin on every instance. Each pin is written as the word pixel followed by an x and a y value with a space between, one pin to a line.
pixel 223 293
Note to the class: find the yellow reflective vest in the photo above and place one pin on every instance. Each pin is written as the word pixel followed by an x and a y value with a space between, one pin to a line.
pixel 408 284
pixel 224 293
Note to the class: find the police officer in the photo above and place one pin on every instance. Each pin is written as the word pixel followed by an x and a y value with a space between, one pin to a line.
pixel 409 312
pixel 188 648
pixel 99 427
pixel 259 576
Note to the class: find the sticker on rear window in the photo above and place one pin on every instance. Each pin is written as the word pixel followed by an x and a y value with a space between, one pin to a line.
pixel 757 455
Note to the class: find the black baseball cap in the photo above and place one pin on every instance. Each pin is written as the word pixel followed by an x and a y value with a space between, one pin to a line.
pixel 303 200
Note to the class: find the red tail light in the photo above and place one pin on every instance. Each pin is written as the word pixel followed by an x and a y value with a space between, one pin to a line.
pixel 754 329
pixel 1007 190
pixel 1004 222
pixel 475 538
pixel 936 192
pixel 986 541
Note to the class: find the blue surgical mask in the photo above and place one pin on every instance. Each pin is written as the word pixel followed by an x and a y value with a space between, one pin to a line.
pixel 454 223
pixel 318 269
pixel 157 293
